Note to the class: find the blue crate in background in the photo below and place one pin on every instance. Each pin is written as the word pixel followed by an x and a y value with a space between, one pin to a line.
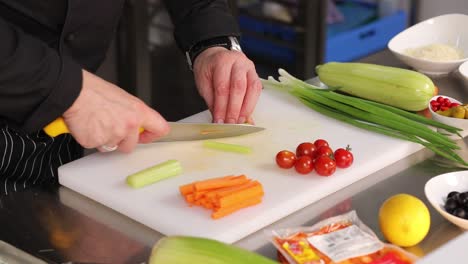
pixel 257 46
pixel 252 45
pixel 364 40
pixel 340 46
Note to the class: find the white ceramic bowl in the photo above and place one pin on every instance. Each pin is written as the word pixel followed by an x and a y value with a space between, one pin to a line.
pixel 463 69
pixel 446 29
pixel 437 188
pixel 452 121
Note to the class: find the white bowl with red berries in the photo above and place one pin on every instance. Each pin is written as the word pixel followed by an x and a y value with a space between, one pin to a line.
pixel 444 109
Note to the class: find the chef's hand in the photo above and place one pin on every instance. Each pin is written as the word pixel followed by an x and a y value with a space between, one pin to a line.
pixel 106 115
pixel 229 83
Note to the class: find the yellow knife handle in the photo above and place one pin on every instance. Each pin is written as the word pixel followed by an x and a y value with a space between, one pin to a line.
pixel 58 127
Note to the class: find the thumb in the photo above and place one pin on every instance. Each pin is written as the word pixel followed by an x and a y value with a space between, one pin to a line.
pixel 154 125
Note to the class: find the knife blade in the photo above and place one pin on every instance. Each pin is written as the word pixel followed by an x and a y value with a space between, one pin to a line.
pixel 179 131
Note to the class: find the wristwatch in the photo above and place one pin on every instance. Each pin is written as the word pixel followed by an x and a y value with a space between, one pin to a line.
pixel 228 42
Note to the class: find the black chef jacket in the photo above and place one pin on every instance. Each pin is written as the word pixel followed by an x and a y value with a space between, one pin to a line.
pixel 44 45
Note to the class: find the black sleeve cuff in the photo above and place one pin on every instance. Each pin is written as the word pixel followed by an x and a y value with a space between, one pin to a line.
pixel 206 24
pixel 59 99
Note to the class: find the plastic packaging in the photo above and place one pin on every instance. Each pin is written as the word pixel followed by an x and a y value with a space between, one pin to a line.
pixel 342 239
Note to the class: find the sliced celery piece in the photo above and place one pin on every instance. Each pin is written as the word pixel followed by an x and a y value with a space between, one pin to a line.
pixel 227 147
pixel 154 174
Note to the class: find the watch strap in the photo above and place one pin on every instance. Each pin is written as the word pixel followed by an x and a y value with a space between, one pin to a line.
pixel 228 42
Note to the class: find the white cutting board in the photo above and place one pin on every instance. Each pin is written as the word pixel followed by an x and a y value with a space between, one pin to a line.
pixel 101 176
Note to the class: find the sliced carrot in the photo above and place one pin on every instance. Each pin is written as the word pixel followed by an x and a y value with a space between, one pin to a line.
pixel 186 189
pixel 207 204
pixel 239 196
pixel 199 194
pixel 197 202
pixel 231 209
pixel 214 195
pixel 224 195
pixel 220 182
pixel 190 198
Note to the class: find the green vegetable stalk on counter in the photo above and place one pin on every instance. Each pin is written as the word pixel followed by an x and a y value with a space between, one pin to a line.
pixel 196 250
pixel 154 174
pixel 227 147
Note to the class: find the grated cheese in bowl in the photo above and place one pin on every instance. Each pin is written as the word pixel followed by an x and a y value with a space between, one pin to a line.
pixel 436 52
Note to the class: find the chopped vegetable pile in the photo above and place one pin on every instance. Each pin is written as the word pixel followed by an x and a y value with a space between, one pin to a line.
pixel 223 195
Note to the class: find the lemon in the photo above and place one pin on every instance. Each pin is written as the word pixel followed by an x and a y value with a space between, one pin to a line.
pixel 404 220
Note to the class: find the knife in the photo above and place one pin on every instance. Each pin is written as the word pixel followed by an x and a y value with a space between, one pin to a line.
pixel 179 131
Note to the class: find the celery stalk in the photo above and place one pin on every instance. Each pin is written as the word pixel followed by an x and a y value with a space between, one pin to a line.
pixel 154 174
pixel 227 147
pixel 195 250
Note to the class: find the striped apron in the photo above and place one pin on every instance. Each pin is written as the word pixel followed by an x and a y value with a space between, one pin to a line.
pixel 32 159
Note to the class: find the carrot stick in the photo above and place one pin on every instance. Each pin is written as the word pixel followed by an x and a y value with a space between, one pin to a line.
pixel 231 209
pixel 226 191
pixel 190 198
pixel 207 204
pixel 239 196
pixel 190 187
pixel 216 193
pixel 220 182
pixel 186 189
pixel 199 194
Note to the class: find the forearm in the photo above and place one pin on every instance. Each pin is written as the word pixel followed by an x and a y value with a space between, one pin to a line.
pixel 200 20
pixel 37 84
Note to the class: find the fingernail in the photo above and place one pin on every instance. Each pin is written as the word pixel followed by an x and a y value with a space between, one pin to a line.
pixel 231 121
pixel 241 120
pixel 219 121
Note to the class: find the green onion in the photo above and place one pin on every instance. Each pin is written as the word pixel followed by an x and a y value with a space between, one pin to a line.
pixel 227 147
pixel 390 119
pixel 418 118
pixel 154 174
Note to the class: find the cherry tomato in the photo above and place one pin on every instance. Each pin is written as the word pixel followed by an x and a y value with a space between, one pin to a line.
pixel 285 159
pixel 304 165
pixel 306 148
pixel 320 142
pixel 325 166
pixel 323 151
pixel 343 157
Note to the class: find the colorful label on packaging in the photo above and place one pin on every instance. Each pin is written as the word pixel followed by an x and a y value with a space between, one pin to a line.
pixel 300 251
pixel 346 243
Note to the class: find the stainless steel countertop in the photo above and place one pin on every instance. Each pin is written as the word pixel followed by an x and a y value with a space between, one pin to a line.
pixel 58 225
